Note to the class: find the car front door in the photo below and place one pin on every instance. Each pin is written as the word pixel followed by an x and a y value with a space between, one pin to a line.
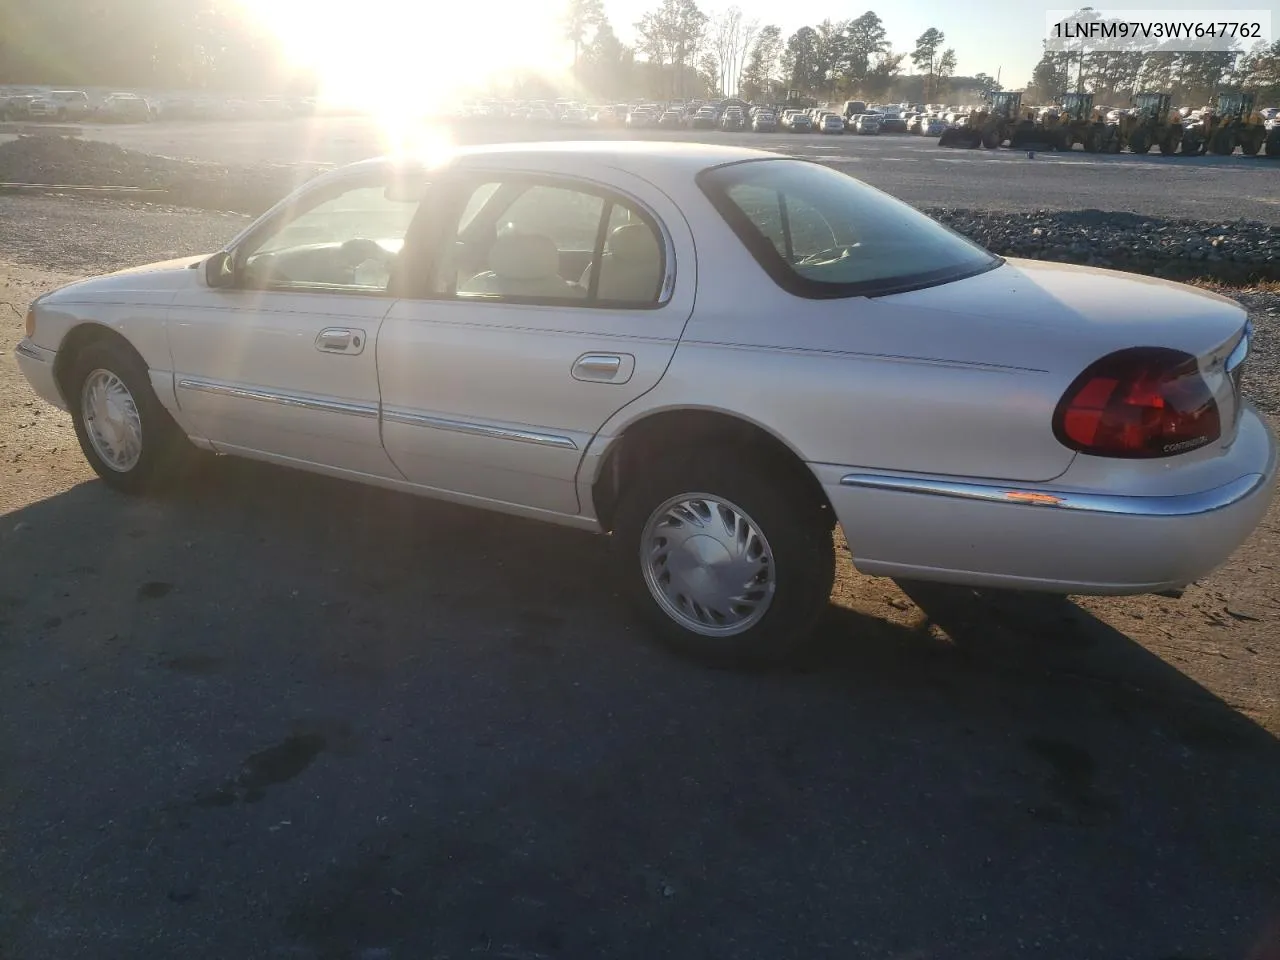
pixel 280 363
pixel 549 304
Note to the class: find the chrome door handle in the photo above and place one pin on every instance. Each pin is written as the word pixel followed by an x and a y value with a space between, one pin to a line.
pixel 597 366
pixel 340 340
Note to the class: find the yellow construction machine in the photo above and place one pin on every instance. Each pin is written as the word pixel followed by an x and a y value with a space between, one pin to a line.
pixel 1232 123
pixel 1003 119
pixel 1080 123
pixel 1152 122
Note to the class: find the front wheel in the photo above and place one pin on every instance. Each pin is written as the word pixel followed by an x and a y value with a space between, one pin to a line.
pixel 732 563
pixel 125 432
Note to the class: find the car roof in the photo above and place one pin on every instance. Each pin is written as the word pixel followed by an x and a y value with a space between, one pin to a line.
pixel 654 160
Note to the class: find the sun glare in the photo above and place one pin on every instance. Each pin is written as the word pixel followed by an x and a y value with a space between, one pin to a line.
pixel 403 60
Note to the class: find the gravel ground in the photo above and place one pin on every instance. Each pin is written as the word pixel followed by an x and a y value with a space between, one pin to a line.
pixel 275 715
pixel 89 236
pixel 1234 251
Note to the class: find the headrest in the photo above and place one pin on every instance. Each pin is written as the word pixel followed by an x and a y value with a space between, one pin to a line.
pixel 633 241
pixel 524 256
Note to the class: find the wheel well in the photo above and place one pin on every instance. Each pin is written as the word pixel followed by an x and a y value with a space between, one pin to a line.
pixel 77 340
pixel 664 434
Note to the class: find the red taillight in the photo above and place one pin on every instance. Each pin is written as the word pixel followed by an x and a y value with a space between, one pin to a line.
pixel 1140 402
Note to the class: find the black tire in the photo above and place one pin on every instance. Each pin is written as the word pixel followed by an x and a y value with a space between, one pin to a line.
pixel 1139 143
pixel 798 533
pixel 1169 146
pixel 165 450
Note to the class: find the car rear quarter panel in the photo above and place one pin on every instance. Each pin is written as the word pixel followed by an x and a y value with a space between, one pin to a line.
pixel 961 379
pixel 864 382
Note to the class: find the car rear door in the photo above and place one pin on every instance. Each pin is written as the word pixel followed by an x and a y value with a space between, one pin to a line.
pixel 496 372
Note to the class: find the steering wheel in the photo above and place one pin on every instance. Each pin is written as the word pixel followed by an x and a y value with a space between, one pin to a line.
pixel 829 255
pixel 358 250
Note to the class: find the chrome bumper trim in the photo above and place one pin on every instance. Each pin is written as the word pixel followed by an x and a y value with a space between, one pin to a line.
pixel 26 348
pixel 1183 505
pixel 479 429
pixel 350 408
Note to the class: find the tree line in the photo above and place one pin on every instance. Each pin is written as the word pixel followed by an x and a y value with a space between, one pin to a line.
pixel 162 44
pixel 681 51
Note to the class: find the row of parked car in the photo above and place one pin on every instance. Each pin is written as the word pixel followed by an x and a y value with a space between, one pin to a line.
pixel 79 106
pixel 69 105
pixel 730 115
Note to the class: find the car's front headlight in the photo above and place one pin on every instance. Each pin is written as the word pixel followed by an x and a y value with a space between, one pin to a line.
pixel 31 322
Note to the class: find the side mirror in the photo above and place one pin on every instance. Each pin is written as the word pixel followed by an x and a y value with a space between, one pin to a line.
pixel 220 270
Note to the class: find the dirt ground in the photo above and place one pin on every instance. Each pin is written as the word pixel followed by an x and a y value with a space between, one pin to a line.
pixel 277 715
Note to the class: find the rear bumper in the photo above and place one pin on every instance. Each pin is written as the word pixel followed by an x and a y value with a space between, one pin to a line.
pixel 36 364
pixel 1034 537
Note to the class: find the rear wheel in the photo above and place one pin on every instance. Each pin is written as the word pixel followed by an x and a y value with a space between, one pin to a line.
pixel 125 432
pixel 1222 144
pixel 1169 145
pixel 731 562
pixel 991 139
pixel 1250 146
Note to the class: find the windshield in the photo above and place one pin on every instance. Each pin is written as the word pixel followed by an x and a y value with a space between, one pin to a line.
pixel 819 233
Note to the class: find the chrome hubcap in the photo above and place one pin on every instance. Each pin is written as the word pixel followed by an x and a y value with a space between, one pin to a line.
pixel 708 565
pixel 111 420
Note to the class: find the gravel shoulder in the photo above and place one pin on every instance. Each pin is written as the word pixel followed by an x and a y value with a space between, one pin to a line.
pixel 241 722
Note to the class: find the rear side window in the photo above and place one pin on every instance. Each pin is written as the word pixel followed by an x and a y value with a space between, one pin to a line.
pixel 560 242
pixel 819 233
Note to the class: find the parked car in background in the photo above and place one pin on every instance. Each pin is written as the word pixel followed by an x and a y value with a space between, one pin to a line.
pixel 671 120
pixel 866 123
pixel 41 107
pixel 800 122
pixel 909 400
pixel 71 104
pixel 732 120
pixel 831 123
pixel 642 117
pixel 704 118
pixel 764 121
pixel 893 121
pixel 125 108
pixel 608 116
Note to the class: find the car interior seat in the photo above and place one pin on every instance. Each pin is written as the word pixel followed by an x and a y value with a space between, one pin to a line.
pixel 631 268
pixel 523 265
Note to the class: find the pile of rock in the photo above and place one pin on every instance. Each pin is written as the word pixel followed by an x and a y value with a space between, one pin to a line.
pixel 1182 249
pixel 65 161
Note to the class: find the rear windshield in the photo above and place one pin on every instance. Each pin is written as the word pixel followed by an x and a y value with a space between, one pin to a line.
pixel 819 233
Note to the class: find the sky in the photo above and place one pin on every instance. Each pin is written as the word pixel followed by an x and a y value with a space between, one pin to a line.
pixel 988 35
pixel 396 53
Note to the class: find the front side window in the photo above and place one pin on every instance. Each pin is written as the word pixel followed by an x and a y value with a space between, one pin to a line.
pixel 520 240
pixel 819 233
pixel 346 242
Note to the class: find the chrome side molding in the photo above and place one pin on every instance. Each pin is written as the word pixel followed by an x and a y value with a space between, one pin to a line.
pixel 491 431
pixel 1183 505
pixel 351 408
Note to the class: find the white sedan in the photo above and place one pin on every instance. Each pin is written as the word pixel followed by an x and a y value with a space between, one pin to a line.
pixel 713 354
